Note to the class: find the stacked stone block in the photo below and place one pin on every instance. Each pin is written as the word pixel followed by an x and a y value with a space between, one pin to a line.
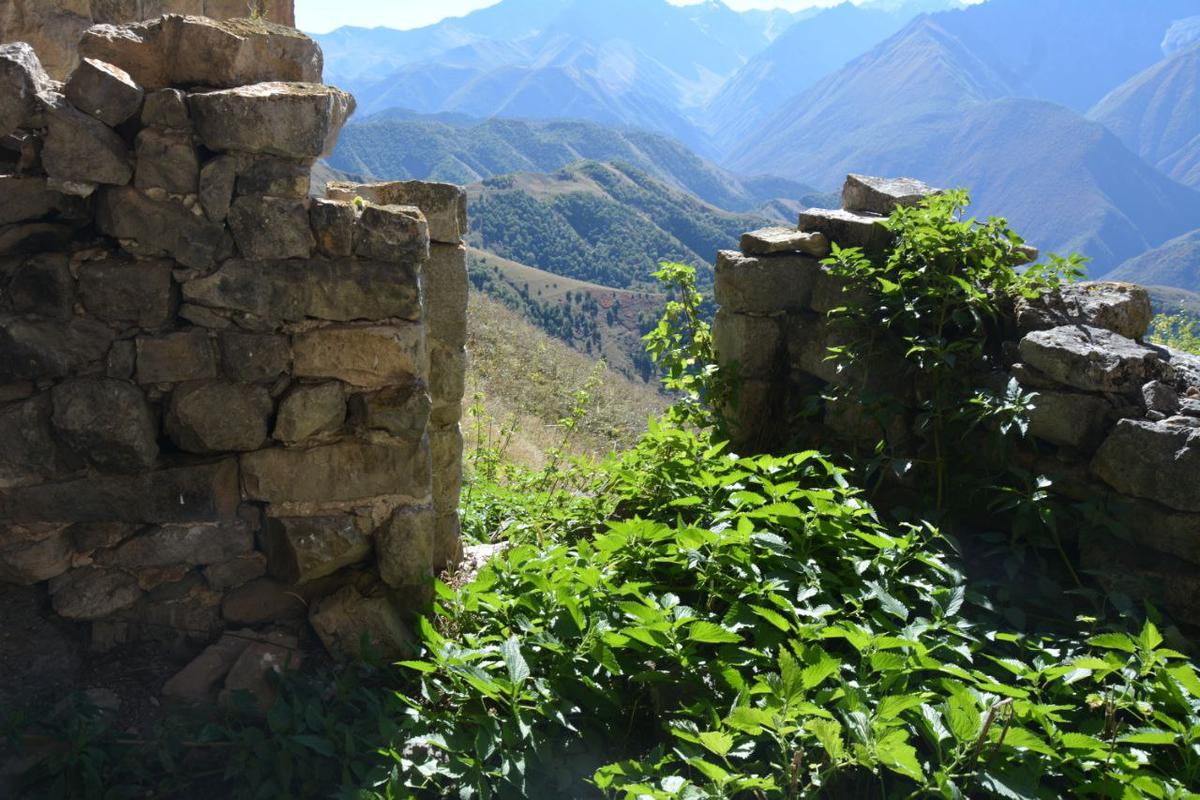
pixel 445 286
pixel 1114 419
pixel 226 410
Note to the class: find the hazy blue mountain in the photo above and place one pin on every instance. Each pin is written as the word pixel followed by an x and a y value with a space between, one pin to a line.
pixel 1176 264
pixel 1071 52
pixel 803 54
pixel 1157 115
pixel 398 145
pixel 925 103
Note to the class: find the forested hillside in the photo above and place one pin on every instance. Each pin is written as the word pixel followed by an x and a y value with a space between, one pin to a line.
pixel 605 223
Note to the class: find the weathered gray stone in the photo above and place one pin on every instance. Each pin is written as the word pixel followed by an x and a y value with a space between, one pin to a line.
pixel 292 120
pixel 1122 308
pixel 28 449
pixel 446 451
pixel 764 284
pixel 107 422
pixel 1153 461
pixel 309 411
pixel 1164 531
pixel 262 600
pixel 447 545
pixel 1073 420
pixel 202 493
pixel 392 233
pixel 768 241
pixel 104 91
pixel 27 198
pixel 24 151
pixel 176 357
pixel 201 679
pixel 349 470
pixel 192 545
pixel 197 51
pixel 139 293
pixel 236 572
pixel 254 358
pixel 39 349
pixel 405 547
pixel 847 228
pixel 808 338
pixel 302 549
pixel 136 48
pixel 444 205
pixel 447 379
pixel 179 610
pixel 215 417
pixel 866 194
pixel 1158 396
pixel 158 226
pixel 271 227
pixel 83 149
pixel 36 237
pixel 87 537
pixel 217 180
pixel 89 593
pixel 23 79
pixel 166 108
pixel 751 345
pixel 400 410
pixel 254 669
pixel 166 160
pixel 31 554
pixel 1092 359
pixel 344 619
pixel 368 357
pixel 444 279
pixel 42 285
pixel 333 227
pixel 295 290
pixel 275 177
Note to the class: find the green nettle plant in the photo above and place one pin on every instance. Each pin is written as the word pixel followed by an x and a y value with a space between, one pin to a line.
pixel 929 307
pixel 1179 331
pixel 681 623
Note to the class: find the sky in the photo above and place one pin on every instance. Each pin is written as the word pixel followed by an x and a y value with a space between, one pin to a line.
pixel 321 16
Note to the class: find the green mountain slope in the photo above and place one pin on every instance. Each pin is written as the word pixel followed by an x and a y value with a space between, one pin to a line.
pixel 400 145
pixel 606 223
pixel 1157 115
pixel 598 321
pixel 1176 263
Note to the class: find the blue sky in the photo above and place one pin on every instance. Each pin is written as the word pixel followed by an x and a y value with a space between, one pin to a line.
pixel 320 16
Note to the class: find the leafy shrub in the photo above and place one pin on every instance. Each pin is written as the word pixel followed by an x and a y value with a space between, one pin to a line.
pixel 1179 331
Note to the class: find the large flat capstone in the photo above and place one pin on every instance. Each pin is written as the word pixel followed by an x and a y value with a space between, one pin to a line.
pixel 1154 461
pixel 1092 359
pixel 290 120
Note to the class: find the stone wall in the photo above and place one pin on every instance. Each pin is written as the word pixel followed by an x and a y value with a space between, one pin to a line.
pixel 228 413
pixel 53 27
pixel 1115 420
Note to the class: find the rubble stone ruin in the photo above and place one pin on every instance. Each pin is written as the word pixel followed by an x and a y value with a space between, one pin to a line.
pixel 229 413
pixel 1116 420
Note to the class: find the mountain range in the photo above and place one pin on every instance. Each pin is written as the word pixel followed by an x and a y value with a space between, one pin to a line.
pixel 1077 119
pixel 400 145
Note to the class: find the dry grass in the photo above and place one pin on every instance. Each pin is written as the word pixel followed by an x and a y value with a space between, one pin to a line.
pixel 526 378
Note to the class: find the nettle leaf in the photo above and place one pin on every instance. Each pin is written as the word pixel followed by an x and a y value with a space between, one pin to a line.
pixel 962 715
pixel 889 603
pixel 717 742
pixel 1113 641
pixel 773 617
pixel 518 670
pixel 1186 675
pixel 829 734
pixel 1150 638
pixel 1149 736
pixel 711 633
pixel 895 753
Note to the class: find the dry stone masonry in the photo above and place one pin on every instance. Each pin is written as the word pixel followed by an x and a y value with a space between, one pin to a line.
pixel 229 413
pixel 1115 419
